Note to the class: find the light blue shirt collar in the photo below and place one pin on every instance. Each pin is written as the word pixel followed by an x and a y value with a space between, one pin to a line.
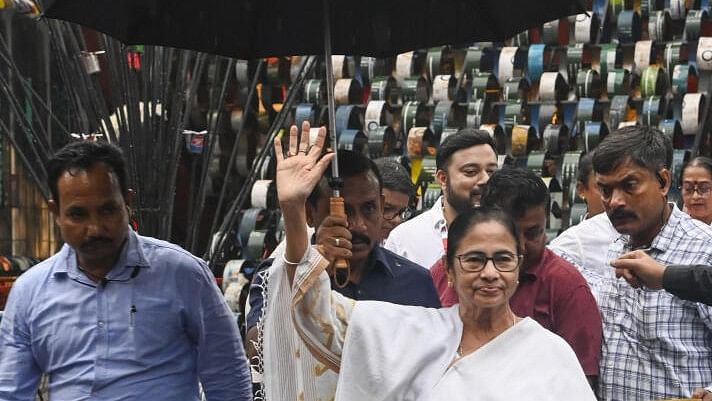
pixel 131 256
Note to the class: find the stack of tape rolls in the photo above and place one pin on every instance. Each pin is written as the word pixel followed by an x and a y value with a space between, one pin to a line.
pixel 554 92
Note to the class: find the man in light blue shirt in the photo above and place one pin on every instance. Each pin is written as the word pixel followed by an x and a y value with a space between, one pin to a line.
pixel 115 315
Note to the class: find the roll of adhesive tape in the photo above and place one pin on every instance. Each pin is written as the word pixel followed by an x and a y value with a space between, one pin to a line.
pixel 692 104
pixel 704 54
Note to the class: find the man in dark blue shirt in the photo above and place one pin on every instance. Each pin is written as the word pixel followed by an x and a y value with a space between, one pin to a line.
pixel 376 273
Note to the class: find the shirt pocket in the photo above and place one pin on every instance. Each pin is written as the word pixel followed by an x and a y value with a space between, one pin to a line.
pixel 156 329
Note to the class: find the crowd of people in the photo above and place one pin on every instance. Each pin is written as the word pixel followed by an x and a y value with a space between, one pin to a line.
pixel 464 301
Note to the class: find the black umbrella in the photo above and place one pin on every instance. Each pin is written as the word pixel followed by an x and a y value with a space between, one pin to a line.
pixel 260 28
pixel 250 29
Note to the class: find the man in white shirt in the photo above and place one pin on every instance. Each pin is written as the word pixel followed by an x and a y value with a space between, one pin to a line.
pixel 585 245
pixel 464 164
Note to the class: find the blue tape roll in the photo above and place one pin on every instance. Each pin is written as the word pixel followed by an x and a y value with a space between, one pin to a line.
pixel 535 61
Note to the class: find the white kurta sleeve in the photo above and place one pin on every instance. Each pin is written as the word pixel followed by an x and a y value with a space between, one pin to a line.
pixel 319 314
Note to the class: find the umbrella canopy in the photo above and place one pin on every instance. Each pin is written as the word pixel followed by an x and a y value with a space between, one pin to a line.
pixel 249 29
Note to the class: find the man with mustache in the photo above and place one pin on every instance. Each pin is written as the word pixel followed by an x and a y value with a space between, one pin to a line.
pixel 376 273
pixel 464 163
pixel 115 315
pixel 551 290
pixel 655 345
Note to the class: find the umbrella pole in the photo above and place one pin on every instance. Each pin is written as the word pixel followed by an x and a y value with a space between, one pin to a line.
pixel 342 268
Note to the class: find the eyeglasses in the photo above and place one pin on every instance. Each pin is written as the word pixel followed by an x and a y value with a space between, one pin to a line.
pixel 703 188
pixel 476 261
pixel 390 213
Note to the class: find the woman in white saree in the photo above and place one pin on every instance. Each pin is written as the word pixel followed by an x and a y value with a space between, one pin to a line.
pixel 477 350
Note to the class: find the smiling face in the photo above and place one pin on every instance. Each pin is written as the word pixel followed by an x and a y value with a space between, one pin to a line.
pixel 488 288
pixel 696 185
pixel 468 170
pixel 634 199
pixel 92 215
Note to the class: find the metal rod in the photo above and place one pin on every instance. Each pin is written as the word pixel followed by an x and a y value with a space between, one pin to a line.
pixel 233 153
pixel 330 95
pixel 232 215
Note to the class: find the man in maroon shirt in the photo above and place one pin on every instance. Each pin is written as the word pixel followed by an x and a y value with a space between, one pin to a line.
pixel 551 290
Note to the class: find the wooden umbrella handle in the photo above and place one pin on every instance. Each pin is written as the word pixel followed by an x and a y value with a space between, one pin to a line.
pixel 342 269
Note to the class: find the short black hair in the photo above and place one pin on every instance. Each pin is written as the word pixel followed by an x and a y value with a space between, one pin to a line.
pixel 83 155
pixel 463 139
pixel 585 168
pixel 646 147
pixel 350 164
pixel 699 161
pixel 471 217
pixel 394 175
pixel 515 190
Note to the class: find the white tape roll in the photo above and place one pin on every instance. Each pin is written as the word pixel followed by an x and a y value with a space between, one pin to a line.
pixel 313 133
pixel 547 86
pixel 677 9
pixel 582 28
pixel 441 87
pixel 341 90
pixel 691 107
pixel 374 111
pixel 704 54
pixel 506 63
pixel 337 66
pixel 242 72
pixel 259 193
pixel 404 63
pixel 641 58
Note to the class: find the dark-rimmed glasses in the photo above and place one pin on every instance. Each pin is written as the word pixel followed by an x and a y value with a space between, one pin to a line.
pixel 390 213
pixel 702 188
pixel 476 261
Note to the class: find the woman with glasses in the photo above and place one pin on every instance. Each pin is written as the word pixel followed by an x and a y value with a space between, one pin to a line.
pixel 478 349
pixel 696 188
